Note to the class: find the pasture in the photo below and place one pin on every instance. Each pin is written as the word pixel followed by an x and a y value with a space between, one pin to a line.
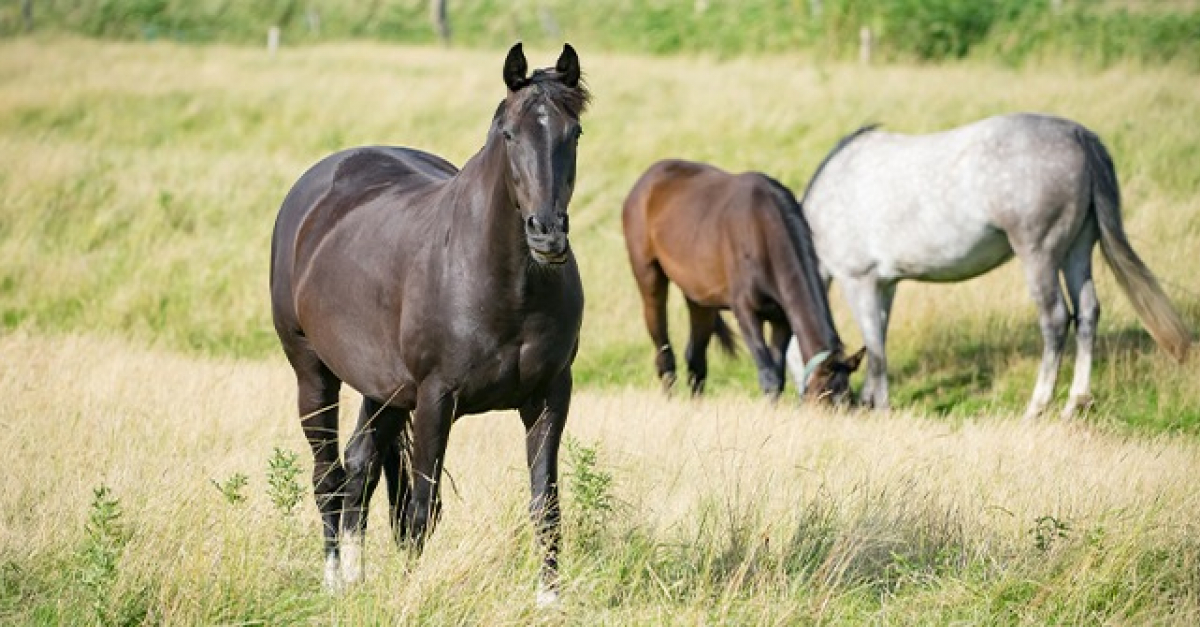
pixel 136 202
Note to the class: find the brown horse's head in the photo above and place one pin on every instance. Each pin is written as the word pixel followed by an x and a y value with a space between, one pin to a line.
pixel 828 379
pixel 539 122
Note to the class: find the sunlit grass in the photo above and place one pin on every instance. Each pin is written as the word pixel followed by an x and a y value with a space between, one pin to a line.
pixel 141 184
pixel 739 512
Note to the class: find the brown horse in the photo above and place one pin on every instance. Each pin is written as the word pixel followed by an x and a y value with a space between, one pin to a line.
pixel 435 292
pixel 732 241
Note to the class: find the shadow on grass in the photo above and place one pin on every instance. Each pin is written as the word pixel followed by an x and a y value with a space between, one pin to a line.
pixel 959 371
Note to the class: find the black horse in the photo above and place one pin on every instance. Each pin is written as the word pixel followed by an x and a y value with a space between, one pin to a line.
pixel 435 292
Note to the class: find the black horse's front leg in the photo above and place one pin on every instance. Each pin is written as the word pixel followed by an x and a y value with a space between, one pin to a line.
pixel 544 418
pixel 436 406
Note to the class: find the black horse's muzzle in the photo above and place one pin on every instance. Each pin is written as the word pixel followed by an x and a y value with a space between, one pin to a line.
pixel 548 242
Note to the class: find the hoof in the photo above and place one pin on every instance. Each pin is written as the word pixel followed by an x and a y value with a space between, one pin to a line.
pixel 668 381
pixel 1077 406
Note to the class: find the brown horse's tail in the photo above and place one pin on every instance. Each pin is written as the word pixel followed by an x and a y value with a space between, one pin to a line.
pixel 725 336
pixel 1135 279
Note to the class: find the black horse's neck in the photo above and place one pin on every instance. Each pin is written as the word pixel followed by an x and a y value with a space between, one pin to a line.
pixel 485 208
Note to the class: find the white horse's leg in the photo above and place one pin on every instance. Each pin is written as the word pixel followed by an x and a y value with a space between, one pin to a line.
pixel 1042 276
pixel 866 303
pixel 1077 270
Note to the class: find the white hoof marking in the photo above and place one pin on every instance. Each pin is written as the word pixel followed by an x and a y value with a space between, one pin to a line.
pixel 333 574
pixel 352 558
pixel 546 597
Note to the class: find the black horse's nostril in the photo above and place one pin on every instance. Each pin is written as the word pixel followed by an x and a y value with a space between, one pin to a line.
pixel 564 222
pixel 532 225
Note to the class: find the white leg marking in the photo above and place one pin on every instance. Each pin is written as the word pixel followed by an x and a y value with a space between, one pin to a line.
pixel 333 574
pixel 352 558
pixel 546 597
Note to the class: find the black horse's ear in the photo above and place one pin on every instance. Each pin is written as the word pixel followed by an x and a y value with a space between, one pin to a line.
pixel 568 66
pixel 515 68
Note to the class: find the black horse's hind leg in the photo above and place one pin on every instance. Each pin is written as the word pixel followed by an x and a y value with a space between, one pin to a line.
pixel 544 419
pixel 375 433
pixel 399 480
pixel 317 395
pixel 703 324
pixel 652 283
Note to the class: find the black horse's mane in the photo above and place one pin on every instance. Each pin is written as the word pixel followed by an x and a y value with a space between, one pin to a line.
pixel 842 143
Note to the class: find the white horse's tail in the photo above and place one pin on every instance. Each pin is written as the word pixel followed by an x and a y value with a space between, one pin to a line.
pixel 1135 279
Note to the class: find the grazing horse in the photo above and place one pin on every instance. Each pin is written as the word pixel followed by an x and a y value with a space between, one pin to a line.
pixel 953 205
pixel 732 241
pixel 435 292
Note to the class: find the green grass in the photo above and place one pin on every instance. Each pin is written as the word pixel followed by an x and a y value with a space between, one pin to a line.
pixel 1099 33
pixel 142 182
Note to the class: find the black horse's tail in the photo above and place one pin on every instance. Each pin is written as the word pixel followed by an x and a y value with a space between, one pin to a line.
pixel 1135 279
pixel 725 336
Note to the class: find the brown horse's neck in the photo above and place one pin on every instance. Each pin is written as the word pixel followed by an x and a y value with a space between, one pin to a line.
pixel 817 335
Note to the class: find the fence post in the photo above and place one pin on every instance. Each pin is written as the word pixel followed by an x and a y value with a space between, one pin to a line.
pixel 27 14
pixel 272 40
pixel 441 24
pixel 865 41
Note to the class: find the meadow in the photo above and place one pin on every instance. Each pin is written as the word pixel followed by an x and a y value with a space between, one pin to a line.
pixel 136 205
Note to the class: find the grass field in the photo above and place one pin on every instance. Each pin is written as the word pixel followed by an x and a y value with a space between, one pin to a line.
pixel 136 202
pixel 744 513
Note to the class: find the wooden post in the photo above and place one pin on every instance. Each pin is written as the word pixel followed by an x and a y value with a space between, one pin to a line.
pixel 27 14
pixel 441 23
pixel 273 40
pixel 864 45
pixel 313 19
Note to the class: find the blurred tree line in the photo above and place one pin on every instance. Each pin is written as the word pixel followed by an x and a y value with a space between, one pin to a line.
pixel 1099 32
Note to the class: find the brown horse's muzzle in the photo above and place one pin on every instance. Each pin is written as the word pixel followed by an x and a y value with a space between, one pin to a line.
pixel 548 241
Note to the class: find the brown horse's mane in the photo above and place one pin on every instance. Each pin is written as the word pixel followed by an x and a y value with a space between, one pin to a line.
pixel 801 236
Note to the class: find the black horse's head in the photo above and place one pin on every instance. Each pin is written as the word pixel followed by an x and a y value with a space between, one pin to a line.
pixel 539 122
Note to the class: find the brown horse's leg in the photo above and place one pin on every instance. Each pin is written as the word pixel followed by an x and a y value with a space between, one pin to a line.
pixel 318 403
pixel 770 377
pixel 781 334
pixel 652 282
pixel 430 433
pixel 375 432
pixel 703 323
pixel 544 419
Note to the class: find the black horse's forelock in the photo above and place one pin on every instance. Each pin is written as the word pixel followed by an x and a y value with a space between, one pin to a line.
pixel 547 83
pixel 574 99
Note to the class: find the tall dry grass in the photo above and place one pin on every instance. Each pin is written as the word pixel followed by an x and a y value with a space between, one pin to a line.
pixel 725 510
